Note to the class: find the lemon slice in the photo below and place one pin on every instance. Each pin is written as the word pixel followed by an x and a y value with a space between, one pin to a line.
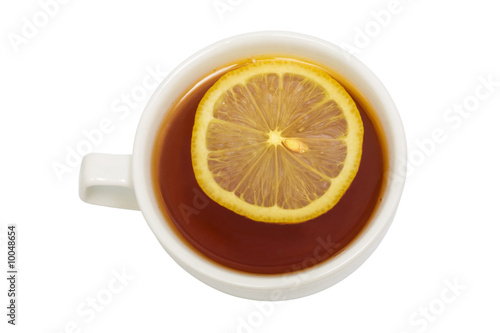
pixel 276 141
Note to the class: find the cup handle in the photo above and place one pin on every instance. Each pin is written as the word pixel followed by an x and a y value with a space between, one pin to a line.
pixel 106 180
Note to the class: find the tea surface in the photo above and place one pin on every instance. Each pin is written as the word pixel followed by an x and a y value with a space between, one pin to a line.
pixel 238 242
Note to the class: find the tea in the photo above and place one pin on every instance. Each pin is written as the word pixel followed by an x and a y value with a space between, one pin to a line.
pixel 243 244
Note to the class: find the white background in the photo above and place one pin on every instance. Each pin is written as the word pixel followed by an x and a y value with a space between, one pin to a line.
pixel 65 77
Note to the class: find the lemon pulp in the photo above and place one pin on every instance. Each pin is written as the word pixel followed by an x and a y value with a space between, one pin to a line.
pixel 276 141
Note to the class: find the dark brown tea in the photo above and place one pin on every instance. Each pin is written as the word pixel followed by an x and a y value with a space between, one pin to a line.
pixel 243 244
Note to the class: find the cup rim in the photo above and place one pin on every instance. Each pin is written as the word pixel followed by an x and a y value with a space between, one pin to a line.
pixel 255 286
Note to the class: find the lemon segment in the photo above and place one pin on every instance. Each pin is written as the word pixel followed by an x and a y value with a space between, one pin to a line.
pixel 276 141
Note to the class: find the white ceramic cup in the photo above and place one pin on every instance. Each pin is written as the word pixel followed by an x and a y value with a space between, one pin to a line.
pixel 125 181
